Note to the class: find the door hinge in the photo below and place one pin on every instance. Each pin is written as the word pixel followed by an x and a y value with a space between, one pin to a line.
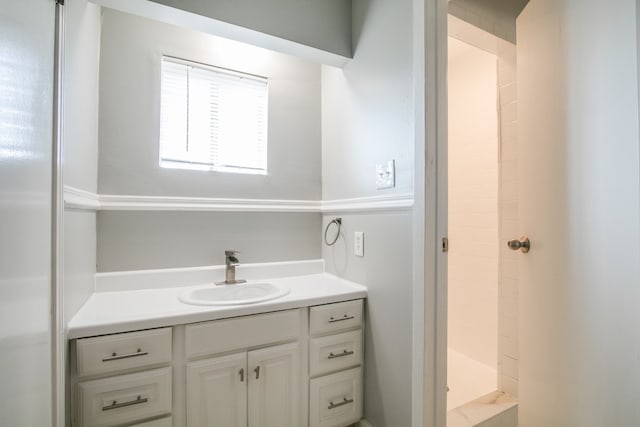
pixel 445 244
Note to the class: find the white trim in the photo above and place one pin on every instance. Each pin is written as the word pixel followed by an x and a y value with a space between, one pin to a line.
pixel 75 198
pixel 421 402
pixel 372 203
pixel 439 209
pixel 162 203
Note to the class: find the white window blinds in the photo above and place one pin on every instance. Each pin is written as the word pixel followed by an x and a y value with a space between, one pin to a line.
pixel 212 119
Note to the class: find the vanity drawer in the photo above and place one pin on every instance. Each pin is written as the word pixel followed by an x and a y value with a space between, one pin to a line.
pixel 239 333
pixel 119 352
pixel 336 400
pixel 335 317
pixel 125 399
pixel 335 352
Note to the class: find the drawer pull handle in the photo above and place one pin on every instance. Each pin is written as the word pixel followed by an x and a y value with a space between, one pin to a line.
pixel 343 354
pixel 116 405
pixel 115 356
pixel 241 375
pixel 345 401
pixel 257 371
pixel 342 319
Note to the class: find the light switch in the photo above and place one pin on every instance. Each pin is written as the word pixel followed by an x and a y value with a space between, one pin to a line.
pixel 358 243
pixel 386 175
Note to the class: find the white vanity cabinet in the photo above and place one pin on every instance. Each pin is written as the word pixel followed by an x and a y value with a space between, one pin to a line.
pixel 217 390
pixel 335 364
pixel 289 368
pixel 123 379
pixel 261 385
pixel 256 388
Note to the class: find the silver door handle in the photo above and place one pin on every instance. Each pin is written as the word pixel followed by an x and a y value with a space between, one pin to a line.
pixel 523 244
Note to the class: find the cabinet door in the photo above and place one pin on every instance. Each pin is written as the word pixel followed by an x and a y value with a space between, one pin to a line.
pixel 275 386
pixel 217 392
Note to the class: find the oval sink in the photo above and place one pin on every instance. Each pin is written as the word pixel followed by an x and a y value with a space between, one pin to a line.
pixel 244 293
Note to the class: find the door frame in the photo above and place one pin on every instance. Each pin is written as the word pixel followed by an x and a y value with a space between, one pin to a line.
pixel 429 356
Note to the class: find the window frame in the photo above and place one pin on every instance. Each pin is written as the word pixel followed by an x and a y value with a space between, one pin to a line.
pixel 209 166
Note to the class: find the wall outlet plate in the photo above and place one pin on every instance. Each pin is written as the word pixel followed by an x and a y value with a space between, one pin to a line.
pixel 386 175
pixel 358 243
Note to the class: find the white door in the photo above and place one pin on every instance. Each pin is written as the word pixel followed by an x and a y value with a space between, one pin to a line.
pixel 275 386
pixel 217 392
pixel 579 205
pixel 26 112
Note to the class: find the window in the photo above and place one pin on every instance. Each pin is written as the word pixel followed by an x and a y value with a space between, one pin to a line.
pixel 212 118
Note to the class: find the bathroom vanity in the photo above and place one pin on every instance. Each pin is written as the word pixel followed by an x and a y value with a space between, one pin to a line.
pixel 294 361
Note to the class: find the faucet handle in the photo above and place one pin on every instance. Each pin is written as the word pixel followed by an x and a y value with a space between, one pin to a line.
pixel 229 252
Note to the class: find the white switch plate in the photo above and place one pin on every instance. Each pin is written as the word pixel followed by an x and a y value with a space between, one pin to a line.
pixel 386 175
pixel 358 243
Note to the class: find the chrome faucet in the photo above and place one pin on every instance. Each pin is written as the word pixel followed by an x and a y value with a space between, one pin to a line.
pixel 231 261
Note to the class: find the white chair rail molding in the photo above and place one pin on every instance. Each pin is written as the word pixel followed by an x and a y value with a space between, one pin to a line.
pixel 75 198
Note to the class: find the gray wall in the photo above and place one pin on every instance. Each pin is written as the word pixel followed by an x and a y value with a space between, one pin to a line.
pixel 386 270
pixel 82 51
pixel 322 24
pixel 79 259
pixel 129 120
pixel 368 117
pixel 367 108
pixel 131 51
pixel 145 240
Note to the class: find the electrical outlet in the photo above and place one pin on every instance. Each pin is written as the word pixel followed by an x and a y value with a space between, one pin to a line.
pixel 386 175
pixel 358 243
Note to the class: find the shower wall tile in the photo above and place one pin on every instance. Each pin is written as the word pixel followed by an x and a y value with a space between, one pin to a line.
pixel 509 288
pixel 469 211
pixel 509 347
pixel 509 112
pixel 508 366
pixel 473 282
pixel 509 326
pixel 508 384
pixel 509 225
pixel 508 93
pixel 508 189
pixel 506 72
pixel 509 269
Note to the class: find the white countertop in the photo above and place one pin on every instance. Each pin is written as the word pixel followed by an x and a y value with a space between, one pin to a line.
pixel 129 310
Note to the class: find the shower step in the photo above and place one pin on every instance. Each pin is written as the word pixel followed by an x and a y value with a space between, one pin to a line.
pixel 496 409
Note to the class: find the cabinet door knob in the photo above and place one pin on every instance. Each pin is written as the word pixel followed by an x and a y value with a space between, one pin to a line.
pixel 241 373
pixel 257 371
